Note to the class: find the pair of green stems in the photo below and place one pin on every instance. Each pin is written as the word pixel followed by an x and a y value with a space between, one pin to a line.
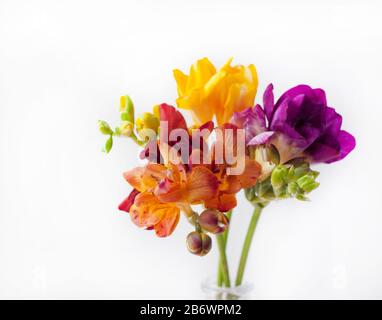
pixel 223 270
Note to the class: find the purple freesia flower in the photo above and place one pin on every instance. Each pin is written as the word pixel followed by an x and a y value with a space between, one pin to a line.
pixel 300 124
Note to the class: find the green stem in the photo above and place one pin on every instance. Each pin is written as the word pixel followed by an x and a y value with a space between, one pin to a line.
pixel 136 140
pixel 225 236
pixel 223 260
pixel 247 245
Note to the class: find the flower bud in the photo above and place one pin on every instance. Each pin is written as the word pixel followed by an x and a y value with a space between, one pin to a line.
pixel 294 179
pixel 293 188
pixel 198 243
pixel 126 128
pixel 126 109
pixel 104 127
pixel 213 221
pixel 278 176
pixel 108 144
pixel 156 111
pixel 307 183
pixel 147 121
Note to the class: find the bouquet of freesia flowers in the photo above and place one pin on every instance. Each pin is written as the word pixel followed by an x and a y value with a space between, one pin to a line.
pixel 232 144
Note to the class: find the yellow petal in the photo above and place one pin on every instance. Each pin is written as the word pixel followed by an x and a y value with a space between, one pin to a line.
pixel 208 93
pixel 181 80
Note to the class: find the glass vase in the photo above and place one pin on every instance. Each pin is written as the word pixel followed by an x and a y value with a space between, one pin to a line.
pixel 214 292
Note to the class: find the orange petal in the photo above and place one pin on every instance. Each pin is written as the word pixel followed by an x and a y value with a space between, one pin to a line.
pixel 223 202
pixel 202 185
pixel 145 178
pixel 143 211
pixel 169 191
pixel 231 184
pixel 251 173
pixel 154 173
pixel 148 212
pixel 134 178
pixel 170 218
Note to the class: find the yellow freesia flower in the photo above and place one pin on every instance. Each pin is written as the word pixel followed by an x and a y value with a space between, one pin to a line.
pixel 147 121
pixel 208 93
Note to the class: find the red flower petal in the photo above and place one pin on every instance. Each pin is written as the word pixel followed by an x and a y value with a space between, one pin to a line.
pixel 128 202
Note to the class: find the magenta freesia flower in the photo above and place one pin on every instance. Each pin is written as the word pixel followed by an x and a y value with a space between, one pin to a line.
pixel 299 124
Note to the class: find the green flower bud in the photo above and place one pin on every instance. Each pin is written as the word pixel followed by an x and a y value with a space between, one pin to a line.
pixel 301 197
pixel 199 243
pixel 104 128
pixel 294 179
pixel 307 183
pixel 293 188
pixel 213 221
pixel 278 176
pixel 126 109
pixel 126 129
pixel 265 189
pixel 300 168
pixel 291 173
pixel 109 144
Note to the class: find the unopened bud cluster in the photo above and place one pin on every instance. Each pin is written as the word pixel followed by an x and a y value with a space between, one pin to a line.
pixel 198 241
pixel 292 180
pixel 129 124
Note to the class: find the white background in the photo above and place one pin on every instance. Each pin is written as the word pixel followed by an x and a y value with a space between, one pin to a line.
pixel 63 66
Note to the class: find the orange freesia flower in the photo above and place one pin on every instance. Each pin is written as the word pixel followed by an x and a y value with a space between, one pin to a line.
pixel 229 185
pixel 163 191
pixel 208 93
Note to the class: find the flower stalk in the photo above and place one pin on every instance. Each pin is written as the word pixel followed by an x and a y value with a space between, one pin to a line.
pixel 223 261
pixel 247 244
pixel 225 237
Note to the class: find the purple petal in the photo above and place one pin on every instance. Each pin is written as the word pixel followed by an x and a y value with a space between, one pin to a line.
pixel 320 152
pixel 347 144
pixel 333 121
pixel 259 119
pixel 316 96
pixel 280 115
pixel 293 92
pixel 261 138
pixel 239 118
pixel 309 133
pixel 288 148
pixel 295 108
pixel 305 125
pixel 331 148
pixel 250 119
pixel 268 101
pixel 319 96
pixel 290 110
